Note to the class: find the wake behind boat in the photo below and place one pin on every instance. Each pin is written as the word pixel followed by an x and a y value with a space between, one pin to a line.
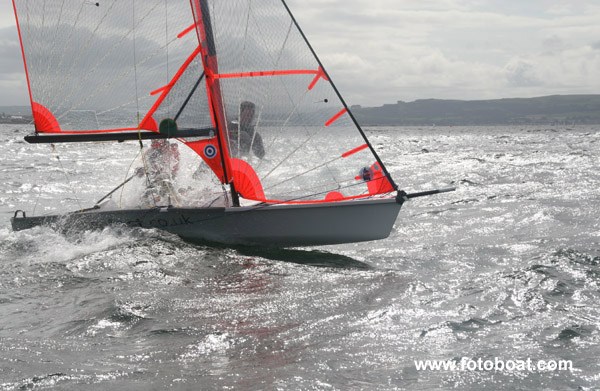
pixel 239 84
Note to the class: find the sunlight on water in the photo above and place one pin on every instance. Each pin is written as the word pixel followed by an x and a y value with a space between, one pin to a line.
pixel 507 267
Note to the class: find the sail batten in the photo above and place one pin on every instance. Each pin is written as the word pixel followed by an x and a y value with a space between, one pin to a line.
pixel 282 131
pixel 265 60
pixel 265 73
pixel 81 59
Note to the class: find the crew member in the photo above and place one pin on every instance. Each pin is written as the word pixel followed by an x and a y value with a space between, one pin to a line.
pixel 243 136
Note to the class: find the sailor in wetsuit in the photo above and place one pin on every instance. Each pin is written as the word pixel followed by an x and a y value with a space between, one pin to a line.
pixel 243 136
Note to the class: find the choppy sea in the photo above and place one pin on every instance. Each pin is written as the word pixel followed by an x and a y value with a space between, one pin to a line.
pixel 495 278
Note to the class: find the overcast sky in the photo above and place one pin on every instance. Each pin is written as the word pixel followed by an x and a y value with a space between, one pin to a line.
pixel 381 51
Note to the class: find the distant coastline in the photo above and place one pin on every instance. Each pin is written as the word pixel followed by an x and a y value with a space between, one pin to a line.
pixel 15 115
pixel 545 110
pixel 12 120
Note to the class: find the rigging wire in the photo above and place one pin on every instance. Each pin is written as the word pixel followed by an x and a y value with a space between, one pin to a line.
pixel 383 195
pixel 310 136
pixel 141 149
pixel 168 79
pixel 275 60
pixel 75 63
pixel 110 83
pixel 149 185
pixel 54 39
pixel 40 46
pixel 98 63
pixel 66 46
pixel 242 67
pixel 168 186
pixel 268 90
pixel 275 139
pixel 137 105
pixel 296 106
pixel 362 133
pixel 119 77
pixel 127 174
pixel 137 100
pixel 302 144
pixel 303 173
pixel 37 200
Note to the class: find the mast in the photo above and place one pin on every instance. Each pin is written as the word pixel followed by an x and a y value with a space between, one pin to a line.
pixel 211 68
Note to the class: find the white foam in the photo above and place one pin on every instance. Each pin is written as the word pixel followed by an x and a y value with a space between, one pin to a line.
pixel 43 244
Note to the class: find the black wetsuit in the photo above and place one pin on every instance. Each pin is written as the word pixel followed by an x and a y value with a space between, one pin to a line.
pixel 245 140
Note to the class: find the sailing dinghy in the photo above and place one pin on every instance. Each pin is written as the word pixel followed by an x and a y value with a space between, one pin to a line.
pixel 298 171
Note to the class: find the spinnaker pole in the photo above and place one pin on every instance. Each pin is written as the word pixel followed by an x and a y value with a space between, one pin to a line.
pixel 403 196
pixel 115 189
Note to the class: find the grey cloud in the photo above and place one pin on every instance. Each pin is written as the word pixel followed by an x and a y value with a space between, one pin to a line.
pixel 13 87
pixel 521 74
pixel 11 61
pixel 553 43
